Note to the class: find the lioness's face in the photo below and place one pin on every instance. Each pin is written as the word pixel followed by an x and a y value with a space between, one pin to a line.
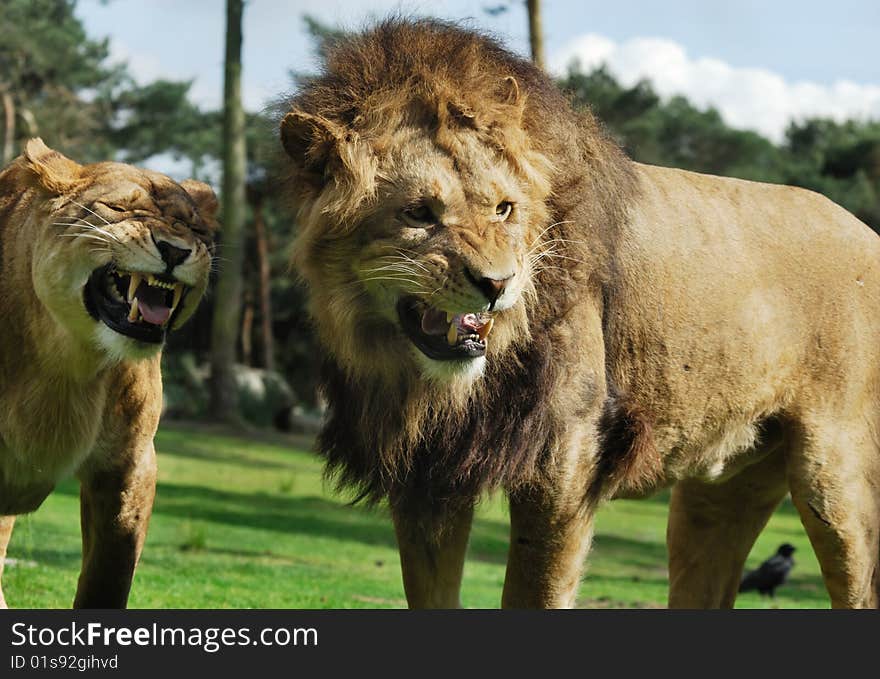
pixel 125 256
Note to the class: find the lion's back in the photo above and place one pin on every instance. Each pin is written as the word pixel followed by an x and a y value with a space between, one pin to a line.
pixel 740 295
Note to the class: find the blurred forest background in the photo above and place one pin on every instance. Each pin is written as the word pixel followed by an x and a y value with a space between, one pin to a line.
pixel 57 82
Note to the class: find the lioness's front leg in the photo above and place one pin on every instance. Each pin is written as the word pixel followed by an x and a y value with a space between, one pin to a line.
pixel 432 552
pixel 116 502
pixel 6 523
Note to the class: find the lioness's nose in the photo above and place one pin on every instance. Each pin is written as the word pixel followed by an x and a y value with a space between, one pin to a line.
pixel 491 287
pixel 171 254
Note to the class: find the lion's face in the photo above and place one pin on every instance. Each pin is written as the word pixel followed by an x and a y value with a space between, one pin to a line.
pixel 445 254
pixel 123 255
pixel 432 272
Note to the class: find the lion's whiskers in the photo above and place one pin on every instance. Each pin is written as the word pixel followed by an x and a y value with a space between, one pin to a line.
pixel 538 242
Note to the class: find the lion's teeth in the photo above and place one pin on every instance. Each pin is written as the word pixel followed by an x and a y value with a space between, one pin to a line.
pixel 133 312
pixel 484 330
pixel 151 280
pixel 452 335
pixel 133 284
pixel 449 316
pixel 178 293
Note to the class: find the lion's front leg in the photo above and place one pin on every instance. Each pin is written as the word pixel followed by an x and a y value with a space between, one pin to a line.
pixel 432 551
pixel 550 536
pixel 116 503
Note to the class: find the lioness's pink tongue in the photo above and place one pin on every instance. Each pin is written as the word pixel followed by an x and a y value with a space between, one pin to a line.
pixel 157 315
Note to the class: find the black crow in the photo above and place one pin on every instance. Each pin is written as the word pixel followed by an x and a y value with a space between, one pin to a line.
pixel 770 574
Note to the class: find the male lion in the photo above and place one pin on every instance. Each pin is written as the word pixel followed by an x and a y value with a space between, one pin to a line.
pixel 507 301
pixel 97 263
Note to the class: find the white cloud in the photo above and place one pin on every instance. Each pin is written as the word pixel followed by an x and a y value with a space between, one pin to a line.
pixel 750 98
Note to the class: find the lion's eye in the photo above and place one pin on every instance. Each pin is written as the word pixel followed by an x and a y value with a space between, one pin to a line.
pixel 503 210
pixel 419 216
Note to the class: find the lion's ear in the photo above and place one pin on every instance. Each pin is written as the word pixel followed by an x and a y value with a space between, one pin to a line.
pixel 311 142
pixel 510 91
pixel 56 172
pixel 203 196
pixel 511 98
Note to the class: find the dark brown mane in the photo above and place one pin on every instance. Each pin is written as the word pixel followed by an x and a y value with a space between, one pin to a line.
pixel 499 437
pixel 496 442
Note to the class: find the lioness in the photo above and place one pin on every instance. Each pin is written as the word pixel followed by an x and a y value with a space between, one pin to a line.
pixel 99 262
pixel 507 301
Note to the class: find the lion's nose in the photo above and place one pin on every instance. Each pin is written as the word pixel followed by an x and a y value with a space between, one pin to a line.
pixel 492 288
pixel 171 254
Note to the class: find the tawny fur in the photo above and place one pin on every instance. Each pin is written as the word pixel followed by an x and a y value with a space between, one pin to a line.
pixel 76 397
pixel 675 328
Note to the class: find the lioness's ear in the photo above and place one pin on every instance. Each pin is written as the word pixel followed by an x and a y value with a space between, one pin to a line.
pixel 56 172
pixel 310 141
pixel 203 196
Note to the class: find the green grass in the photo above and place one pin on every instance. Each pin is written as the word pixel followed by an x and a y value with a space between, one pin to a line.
pixel 247 523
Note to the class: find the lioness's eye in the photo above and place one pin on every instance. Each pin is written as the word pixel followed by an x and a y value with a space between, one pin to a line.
pixel 115 208
pixel 419 216
pixel 503 210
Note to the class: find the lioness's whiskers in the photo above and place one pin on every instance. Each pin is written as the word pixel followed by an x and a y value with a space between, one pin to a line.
pixel 90 236
pixel 87 226
pixel 92 211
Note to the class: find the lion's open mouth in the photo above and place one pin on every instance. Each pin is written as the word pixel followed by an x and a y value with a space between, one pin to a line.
pixel 441 335
pixel 138 305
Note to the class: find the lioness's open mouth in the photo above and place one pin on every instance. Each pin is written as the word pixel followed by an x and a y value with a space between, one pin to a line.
pixel 441 335
pixel 138 305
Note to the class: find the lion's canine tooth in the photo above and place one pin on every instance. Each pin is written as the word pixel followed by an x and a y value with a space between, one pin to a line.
pixel 178 293
pixel 484 330
pixel 452 335
pixel 133 284
pixel 133 312
pixel 449 316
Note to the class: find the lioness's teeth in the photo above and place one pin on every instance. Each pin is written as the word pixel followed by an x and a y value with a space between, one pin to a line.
pixel 133 284
pixel 452 335
pixel 178 293
pixel 449 316
pixel 485 329
pixel 133 312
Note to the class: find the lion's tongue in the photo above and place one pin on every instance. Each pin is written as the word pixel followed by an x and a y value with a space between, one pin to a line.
pixel 151 304
pixel 437 322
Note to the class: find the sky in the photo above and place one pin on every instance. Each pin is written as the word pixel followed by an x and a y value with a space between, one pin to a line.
pixel 762 63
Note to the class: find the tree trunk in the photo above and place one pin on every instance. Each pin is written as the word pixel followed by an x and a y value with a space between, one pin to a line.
pixel 536 34
pixel 224 331
pixel 247 331
pixel 8 128
pixel 264 291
